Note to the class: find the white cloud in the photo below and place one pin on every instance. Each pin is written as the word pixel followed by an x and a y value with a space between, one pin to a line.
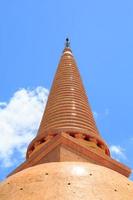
pixel 19 120
pixel 95 114
pixel 101 115
pixel 118 152
pixel 3 104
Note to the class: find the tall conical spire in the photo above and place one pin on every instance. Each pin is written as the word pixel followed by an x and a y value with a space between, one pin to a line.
pixel 67 107
pixel 67 130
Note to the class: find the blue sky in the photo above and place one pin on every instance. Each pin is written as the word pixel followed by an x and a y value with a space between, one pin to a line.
pixel 32 36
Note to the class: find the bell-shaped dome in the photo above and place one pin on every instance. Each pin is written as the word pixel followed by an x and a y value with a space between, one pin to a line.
pixel 67 181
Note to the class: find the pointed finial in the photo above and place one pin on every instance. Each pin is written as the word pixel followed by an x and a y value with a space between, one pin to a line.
pixel 67 44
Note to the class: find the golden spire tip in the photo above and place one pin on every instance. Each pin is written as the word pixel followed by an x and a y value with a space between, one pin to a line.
pixel 67 44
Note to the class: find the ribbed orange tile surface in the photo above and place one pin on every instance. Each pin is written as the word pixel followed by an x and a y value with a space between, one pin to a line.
pixel 67 106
